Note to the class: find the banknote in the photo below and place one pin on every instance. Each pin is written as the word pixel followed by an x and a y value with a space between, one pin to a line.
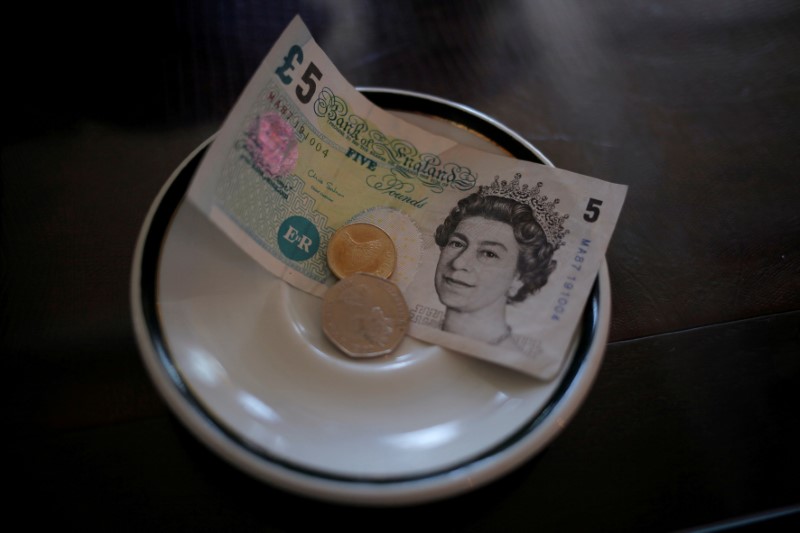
pixel 495 256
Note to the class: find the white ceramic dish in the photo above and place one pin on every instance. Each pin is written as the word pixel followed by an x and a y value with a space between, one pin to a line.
pixel 239 356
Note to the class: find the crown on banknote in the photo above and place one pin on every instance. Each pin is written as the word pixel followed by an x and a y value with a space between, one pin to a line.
pixel 543 210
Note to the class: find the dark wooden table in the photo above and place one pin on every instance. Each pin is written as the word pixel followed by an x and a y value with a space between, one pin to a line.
pixel 693 421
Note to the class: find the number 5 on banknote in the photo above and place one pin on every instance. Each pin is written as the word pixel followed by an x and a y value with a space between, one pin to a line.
pixel 310 77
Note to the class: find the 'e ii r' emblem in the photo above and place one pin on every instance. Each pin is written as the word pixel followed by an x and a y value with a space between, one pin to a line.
pixel 298 238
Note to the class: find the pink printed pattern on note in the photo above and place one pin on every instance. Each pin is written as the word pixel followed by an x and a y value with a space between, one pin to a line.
pixel 272 144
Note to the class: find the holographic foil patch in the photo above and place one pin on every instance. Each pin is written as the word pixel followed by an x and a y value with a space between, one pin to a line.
pixel 272 144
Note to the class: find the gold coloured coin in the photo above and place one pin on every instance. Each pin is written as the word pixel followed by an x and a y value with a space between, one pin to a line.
pixel 361 247
pixel 365 315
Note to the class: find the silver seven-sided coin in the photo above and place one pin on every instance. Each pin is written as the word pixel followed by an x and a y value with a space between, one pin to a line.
pixel 365 315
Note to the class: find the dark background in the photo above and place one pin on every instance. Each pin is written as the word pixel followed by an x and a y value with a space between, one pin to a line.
pixel 693 420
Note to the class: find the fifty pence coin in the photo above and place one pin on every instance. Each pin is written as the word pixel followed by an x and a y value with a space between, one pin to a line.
pixel 365 315
pixel 361 247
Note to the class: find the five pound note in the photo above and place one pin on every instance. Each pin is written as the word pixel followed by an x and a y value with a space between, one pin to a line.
pixel 495 257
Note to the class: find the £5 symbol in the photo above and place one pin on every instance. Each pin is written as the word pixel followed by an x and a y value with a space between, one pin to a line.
pixel 307 85
pixel 298 238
